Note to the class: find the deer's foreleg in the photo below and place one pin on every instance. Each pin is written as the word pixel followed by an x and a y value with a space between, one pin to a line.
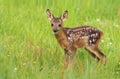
pixel 69 55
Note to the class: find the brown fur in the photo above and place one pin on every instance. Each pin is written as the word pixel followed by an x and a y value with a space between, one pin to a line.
pixel 72 38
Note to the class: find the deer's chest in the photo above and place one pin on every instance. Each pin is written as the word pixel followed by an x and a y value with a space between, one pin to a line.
pixel 62 40
pixel 64 43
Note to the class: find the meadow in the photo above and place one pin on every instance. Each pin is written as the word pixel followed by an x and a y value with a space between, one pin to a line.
pixel 29 50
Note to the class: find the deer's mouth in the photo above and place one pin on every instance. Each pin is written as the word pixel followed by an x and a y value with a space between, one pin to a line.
pixel 55 31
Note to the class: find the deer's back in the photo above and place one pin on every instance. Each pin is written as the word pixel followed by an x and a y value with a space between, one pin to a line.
pixel 83 35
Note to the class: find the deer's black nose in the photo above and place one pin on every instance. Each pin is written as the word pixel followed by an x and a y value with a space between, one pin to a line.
pixel 55 30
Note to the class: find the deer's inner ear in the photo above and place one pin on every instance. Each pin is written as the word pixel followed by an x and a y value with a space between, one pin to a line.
pixel 65 15
pixel 49 14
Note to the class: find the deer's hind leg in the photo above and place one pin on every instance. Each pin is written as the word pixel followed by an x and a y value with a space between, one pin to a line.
pixel 93 55
pixel 97 53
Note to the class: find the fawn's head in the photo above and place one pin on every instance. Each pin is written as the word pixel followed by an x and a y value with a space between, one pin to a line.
pixel 56 22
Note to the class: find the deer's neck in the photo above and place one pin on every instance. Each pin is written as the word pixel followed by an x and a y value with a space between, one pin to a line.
pixel 61 35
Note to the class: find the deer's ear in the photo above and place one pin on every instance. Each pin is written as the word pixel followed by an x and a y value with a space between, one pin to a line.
pixel 49 14
pixel 65 15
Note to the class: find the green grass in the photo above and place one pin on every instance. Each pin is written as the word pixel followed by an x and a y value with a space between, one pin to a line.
pixel 29 50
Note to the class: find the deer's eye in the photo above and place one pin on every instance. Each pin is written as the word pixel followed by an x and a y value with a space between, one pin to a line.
pixel 59 25
pixel 51 24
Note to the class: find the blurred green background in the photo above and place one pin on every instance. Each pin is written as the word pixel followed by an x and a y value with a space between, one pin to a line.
pixel 29 50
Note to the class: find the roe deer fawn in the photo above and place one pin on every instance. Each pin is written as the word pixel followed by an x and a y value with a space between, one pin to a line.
pixel 72 38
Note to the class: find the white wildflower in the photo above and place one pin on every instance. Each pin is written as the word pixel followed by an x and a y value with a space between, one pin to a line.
pixel 116 25
pixel 15 69
pixel 102 41
pixel 98 20
pixel 110 43
pixel 24 64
